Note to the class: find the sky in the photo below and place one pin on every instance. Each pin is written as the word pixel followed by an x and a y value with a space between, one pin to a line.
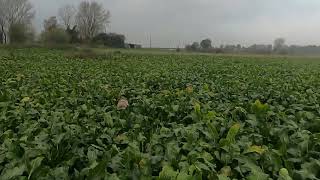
pixel 173 23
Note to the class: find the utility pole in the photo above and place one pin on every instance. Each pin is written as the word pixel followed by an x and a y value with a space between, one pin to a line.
pixel 150 41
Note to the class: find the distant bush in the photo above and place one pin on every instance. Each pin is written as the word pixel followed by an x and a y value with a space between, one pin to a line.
pixel 193 47
pixel 259 49
pixel 110 40
pixel 206 44
pixel 219 50
pixel 90 54
pixel 81 54
pixel 73 34
pixel 20 33
pixel 188 47
pixel 55 36
pixel 210 50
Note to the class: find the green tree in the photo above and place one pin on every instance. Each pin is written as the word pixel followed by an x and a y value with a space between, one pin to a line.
pixel 53 33
pixel 195 46
pixel 110 40
pixel 206 44
pixel 19 33
pixel 73 34
pixel 279 46
pixel 12 13
pixel 55 36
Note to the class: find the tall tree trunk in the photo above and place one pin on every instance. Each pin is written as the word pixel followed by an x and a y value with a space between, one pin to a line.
pixel 4 36
pixel 1 36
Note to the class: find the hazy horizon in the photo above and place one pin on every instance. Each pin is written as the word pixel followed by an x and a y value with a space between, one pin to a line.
pixel 173 23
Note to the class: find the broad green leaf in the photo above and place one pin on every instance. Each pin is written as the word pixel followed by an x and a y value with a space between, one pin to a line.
pixel 26 99
pixel 108 119
pixel 184 176
pixel 197 108
pixel 168 173
pixel 256 175
pixel 98 171
pixel 92 155
pixel 213 131
pixel 189 89
pixel 255 171
pixel 15 172
pixel 284 174
pixel 226 171
pixel 259 107
pixel 175 108
pixel 233 131
pixel 34 165
pixel 257 149
pixel 112 177
pixel 223 177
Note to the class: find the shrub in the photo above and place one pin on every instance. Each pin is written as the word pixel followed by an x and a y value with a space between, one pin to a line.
pixel 55 36
pixel 193 47
pixel 110 40
pixel 20 33
pixel 206 44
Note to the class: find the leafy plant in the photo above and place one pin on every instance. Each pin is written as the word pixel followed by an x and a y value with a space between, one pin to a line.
pixel 163 116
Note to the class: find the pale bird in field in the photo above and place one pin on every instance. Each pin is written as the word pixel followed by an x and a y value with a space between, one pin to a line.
pixel 122 104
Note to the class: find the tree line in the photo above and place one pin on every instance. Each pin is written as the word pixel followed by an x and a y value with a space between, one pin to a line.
pixel 85 23
pixel 279 46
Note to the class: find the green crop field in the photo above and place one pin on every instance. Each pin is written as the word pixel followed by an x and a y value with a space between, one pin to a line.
pixel 158 116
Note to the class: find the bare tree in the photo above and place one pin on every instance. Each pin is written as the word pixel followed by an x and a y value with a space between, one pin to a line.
pixel 53 32
pixel 3 13
pixel 278 44
pixel 19 11
pixel 14 12
pixel 50 23
pixel 91 19
pixel 67 15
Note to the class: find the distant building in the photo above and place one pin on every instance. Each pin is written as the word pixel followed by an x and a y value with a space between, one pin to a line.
pixel 133 46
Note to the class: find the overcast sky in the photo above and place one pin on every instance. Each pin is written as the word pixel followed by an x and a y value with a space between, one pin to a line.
pixel 174 22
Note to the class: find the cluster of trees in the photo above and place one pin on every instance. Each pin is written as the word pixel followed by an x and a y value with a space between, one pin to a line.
pixel 204 45
pixel 254 49
pixel 15 20
pixel 110 40
pixel 304 50
pixel 279 47
pixel 86 23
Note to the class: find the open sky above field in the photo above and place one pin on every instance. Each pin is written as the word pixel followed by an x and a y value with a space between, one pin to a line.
pixel 178 22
